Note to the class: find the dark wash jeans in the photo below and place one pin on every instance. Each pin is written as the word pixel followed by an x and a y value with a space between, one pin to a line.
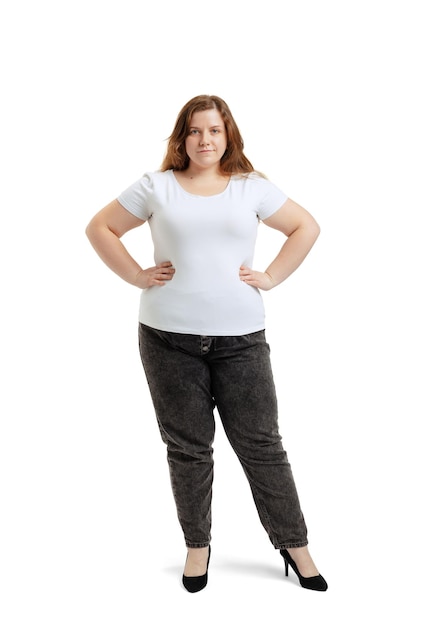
pixel 188 375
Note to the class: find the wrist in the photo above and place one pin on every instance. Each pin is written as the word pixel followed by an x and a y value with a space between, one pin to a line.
pixel 271 278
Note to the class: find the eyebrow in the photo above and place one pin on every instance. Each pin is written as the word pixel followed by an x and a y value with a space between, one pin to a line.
pixel 214 126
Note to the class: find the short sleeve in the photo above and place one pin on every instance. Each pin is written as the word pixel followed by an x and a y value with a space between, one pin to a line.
pixel 272 198
pixel 137 198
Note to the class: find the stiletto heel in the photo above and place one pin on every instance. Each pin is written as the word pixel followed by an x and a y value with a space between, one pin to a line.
pixel 316 583
pixel 196 583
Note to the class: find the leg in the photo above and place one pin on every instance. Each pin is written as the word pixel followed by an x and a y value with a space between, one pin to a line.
pixel 179 382
pixel 245 395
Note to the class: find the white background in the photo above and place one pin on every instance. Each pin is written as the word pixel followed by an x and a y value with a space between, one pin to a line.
pixel 343 105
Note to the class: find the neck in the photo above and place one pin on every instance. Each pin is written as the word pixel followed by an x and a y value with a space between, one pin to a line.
pixel 209 173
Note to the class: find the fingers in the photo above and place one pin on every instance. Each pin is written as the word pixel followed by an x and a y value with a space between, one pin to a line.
pixel 245 272
pixel 163 272
pixel 248 275
pixel 165 269
pixel 260 280
pixel 157 275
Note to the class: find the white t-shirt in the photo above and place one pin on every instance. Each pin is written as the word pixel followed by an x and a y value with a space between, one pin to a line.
pixel 207 239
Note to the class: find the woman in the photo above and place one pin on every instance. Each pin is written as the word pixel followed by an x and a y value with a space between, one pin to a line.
pixel 201 322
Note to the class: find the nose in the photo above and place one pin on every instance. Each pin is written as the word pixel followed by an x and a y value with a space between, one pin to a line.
pixel 205 140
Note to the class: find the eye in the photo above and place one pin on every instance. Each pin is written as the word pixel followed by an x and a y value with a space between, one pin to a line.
pixel 215 131
pixel 194 131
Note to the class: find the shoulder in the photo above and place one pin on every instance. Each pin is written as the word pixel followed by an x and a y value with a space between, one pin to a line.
pixel 254 180
pixel 139 197
pixel 249 177
pixel 260 193
pixel 151 183
pixel 256 183
pixel 157 178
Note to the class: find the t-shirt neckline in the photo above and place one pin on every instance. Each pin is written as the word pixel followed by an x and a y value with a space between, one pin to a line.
pixel 195 195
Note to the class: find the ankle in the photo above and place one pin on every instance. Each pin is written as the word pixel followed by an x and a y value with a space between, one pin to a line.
pixel 304 562
pixel 196 563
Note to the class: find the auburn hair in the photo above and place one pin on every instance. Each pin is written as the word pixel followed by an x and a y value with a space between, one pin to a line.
pixel 233 161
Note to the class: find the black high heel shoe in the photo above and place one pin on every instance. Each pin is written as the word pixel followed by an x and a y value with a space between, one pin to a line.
pixel 316 583
pixel 196 583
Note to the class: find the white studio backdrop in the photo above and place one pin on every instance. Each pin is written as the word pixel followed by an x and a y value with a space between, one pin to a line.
pixel 343 105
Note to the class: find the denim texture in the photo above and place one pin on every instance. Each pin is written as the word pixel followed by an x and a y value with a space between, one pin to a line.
pixel 190 375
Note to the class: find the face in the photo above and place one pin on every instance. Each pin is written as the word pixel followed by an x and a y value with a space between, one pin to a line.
pixel 206 141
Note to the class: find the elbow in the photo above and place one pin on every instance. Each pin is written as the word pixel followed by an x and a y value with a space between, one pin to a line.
pixel 313 229
pixel 92 230
pixel 89 231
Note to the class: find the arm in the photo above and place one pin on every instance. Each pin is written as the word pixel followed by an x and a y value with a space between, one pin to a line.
pixel 104 232
pixel 301 231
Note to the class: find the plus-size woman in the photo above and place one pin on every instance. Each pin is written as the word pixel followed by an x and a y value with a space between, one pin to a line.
pixel 202 322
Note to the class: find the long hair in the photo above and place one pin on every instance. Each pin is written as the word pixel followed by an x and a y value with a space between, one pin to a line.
pixel 233 160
